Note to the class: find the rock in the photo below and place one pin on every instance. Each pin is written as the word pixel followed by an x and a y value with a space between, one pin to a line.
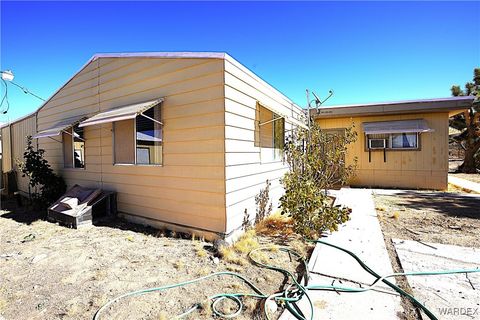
pixel 216 260
pixel 271 306
pixel 219 244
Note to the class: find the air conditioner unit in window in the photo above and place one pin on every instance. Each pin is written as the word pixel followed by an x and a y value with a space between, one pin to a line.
pixel 377 143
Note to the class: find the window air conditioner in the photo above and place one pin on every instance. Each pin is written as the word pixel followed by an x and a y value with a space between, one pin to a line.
pixel 377 143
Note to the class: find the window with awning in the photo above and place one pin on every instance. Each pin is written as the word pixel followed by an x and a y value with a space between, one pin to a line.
pixel 137 132
pixel 122 113
pixel 397 126
pixel 59 127
pixel 73 142
pixel 398 134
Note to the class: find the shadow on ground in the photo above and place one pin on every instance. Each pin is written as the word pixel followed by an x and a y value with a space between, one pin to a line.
pixel 14 209
pixel 17 210
pixel 451 204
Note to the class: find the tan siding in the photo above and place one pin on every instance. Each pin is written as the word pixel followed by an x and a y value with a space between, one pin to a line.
pixel 13 147
pixel 426 168
pixel 20 131
pixel 6 150
pixel 190 184
pixel 245 174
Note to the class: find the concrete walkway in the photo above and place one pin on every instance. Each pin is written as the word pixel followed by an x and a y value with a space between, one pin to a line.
pixel 464 184
pixel 452 296
pixel 361 235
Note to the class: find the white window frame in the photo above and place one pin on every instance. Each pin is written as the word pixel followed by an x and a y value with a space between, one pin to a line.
pixel 390 141
pixel 274 157
pixel 71 136
pixel 135 141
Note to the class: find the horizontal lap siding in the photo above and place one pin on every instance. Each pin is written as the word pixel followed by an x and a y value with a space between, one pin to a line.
pixel 190 184
pixel 20 130
pixel 6 149
pixel 245 174
pixel 425 169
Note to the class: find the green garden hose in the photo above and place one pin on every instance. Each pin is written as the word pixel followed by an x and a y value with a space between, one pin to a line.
pixel 291 294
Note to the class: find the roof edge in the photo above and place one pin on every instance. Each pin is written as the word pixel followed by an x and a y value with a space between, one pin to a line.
pixel 395 107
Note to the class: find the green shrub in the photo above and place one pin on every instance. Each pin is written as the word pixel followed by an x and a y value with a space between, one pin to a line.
pixel 317 163
pixel 45 187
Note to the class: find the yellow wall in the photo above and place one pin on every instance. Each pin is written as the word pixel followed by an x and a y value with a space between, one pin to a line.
pixel 417 169
pixel 189 189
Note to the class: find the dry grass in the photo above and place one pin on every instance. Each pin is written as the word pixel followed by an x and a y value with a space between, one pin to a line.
pixel 455 189
pixel 203 271
pixel 200 251
pixel 275 224
pixel 395 215
pixel 247 242
pixel 229 255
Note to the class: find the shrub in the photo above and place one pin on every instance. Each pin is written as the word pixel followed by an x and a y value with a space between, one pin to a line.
pixel 317 163
pixel 45 187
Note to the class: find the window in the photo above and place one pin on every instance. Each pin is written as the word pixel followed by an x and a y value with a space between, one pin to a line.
pixel 393 141
pixel 404 140
pixel 74 147
pixel 271 138
pixel 139 141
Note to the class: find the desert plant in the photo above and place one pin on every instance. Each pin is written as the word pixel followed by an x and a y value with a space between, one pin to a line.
pixel 45 187
pixel 317 163
pixel 262 200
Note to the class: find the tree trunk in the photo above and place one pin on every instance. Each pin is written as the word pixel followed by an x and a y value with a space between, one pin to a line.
pixel 472 144
pixel 468 165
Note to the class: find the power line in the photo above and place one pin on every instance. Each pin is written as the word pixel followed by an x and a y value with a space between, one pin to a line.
pixel 26 91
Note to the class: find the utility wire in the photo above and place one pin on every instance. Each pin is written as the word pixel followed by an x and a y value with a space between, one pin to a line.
pixel 5 98
pixel 26 91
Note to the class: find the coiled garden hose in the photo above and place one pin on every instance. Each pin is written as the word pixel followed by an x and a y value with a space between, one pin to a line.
pixel 291 294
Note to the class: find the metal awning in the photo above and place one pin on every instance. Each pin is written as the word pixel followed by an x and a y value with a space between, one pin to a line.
pixel 288 119
pixel 59 127
pixel 398 126
pixel 121 113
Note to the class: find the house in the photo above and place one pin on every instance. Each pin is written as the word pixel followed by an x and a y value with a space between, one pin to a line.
pixel 186 139
pixel 400 144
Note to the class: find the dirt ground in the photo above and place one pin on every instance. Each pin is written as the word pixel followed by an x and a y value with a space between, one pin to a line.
pixel 51 272
pixel 438 217
pixel 448 218
pixel 453 166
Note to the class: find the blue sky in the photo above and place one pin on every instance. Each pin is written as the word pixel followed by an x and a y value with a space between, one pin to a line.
pixel 364 51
